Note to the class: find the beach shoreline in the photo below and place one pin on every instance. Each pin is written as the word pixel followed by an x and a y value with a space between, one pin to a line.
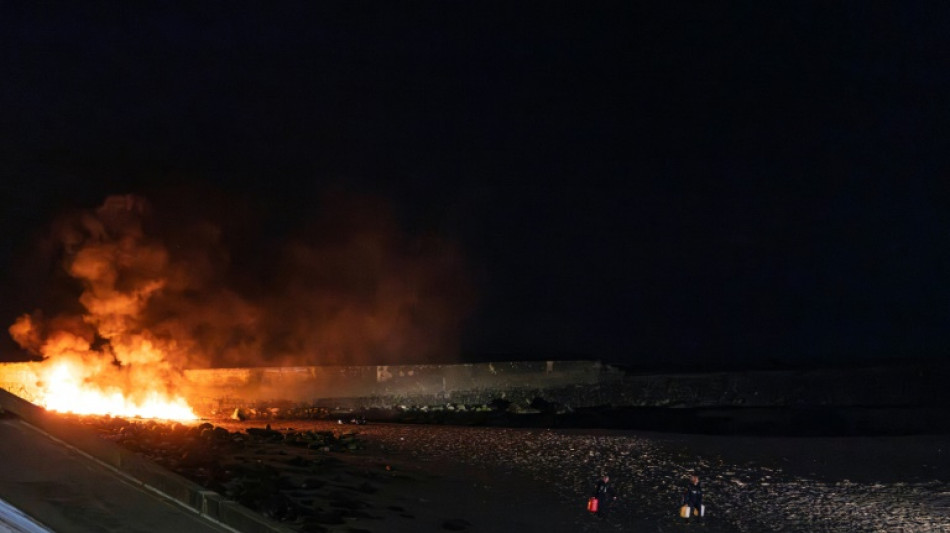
pixel 478 478
pixel 330 476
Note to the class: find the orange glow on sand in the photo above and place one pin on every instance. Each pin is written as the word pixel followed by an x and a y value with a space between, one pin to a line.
pixel 63 389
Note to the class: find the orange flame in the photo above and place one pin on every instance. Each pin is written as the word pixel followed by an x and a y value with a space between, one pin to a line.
pixel 63 390
pixel 105 360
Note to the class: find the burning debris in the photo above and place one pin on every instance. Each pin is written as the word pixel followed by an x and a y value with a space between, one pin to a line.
pixel 102 359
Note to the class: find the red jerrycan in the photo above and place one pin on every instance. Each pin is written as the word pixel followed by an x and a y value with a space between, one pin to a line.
pixel 592 505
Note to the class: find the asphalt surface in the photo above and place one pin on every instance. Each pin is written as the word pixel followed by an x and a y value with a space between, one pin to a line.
pixel 66 491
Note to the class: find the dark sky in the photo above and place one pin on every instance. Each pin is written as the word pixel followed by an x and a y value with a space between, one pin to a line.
pixel 644 183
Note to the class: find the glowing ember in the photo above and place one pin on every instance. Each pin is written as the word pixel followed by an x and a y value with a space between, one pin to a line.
pixel 64 391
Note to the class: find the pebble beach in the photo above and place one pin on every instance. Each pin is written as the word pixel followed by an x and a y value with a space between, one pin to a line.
pixel 322 476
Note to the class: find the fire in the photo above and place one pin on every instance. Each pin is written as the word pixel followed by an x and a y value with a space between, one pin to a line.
pixel 63 389
pixel 104 357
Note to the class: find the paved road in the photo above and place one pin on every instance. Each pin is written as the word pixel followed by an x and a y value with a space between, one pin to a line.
pixel 67 492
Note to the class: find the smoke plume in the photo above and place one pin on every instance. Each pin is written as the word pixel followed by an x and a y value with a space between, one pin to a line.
pixel 167 287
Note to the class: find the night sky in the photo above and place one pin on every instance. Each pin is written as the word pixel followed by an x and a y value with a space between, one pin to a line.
pixel 650 184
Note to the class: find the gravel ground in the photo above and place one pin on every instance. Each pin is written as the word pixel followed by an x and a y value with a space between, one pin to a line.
pixel 751 484
pixel 405 477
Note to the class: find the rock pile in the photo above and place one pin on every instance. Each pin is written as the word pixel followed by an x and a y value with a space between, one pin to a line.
pixel 276 473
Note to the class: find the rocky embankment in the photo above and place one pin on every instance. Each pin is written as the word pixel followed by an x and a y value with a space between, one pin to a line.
pixel 883 400
pixel 727 420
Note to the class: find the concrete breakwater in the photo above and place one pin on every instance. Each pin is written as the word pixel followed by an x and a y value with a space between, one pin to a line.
pixel 903 398
pixel 212 391
pixel 570 383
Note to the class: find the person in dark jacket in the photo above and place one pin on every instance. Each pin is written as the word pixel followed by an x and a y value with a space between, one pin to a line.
pixel 605 494
pixel 693 496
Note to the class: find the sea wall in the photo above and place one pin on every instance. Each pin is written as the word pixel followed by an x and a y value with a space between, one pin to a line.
pixel 886 385
pixel 393 385
pixel 573 384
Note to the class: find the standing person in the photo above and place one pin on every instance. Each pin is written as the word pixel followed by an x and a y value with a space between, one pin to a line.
pixel 693 496
pixel 605 494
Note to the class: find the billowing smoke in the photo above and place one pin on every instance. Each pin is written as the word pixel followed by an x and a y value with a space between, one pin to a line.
pixel 178 289
pixel 355 288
